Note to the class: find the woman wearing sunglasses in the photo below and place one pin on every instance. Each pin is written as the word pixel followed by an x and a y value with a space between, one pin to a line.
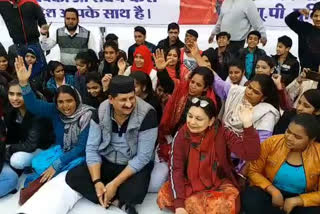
pixel 202 179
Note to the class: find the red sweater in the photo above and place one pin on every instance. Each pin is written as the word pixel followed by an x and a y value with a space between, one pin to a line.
pixel 246 148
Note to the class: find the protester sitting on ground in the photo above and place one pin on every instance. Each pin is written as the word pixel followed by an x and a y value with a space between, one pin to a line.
pixel 186 59
pixel 39 72
pixel 172 40
pixel 251 53
pixel 113 37
pixel 164 88
pixel 27 134
pixel 140 39
pixel 236 73
pixel 120 150
pixel 199 84
pixel 202 179
pixel 170 62
pixel 111 56
pixel 71 122
pixel 58 76
pixel 85 64
pixel 308 36
pixel 142 62
pixel 284 178
pixel 96 94
pixel 143 89
pixel 6 69
pixel 287 65
pixel 309 103
pixel 8 177
pixel 222 55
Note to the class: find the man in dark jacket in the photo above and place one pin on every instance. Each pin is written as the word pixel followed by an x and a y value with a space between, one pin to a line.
pixel 287 65
pixel 22 18
pixel 250 55
pixel 140 38
pixel 172 39
pixel 308 35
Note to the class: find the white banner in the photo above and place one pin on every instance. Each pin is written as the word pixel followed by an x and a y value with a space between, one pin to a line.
pixel 103 12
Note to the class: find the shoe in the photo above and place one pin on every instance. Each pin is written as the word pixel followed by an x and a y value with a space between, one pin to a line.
pixel 130 209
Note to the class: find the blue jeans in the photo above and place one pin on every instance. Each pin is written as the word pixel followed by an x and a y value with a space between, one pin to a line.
pixel 8 180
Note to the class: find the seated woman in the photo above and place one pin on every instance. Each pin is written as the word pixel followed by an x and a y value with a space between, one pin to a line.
pixel 164 88
pixel 199 84
pixel 58 76
pixel 111 55
pixel 8 177
pixel 5 69
pixel 309 103
pixel 26 133
pixel 170 62
pixel 142 62
pixel 236 73
pixel 202 179
pixel 96 94
pixel 265 65
pixel 71 122
pixel 285 178
pixel 143 89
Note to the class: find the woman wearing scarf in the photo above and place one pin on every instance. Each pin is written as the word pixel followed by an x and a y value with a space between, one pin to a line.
pixel 202 178
pixel 70 119
pixel 143 62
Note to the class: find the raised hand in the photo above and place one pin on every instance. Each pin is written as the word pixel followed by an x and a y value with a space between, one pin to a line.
pixel 22 73
pixel 160 60
pixel 305 12
pixel 263 41
pixel 246 114
pixel 106 82
pixel 210 40
pixel 122 66
pixel 44 30
pixel 277 81
pixel 303 75
pixel 194 49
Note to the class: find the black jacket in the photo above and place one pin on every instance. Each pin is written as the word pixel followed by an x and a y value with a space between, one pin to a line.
pixel 222 68
pixel 309 41
pixel 25 31
pixel 32 133
pixel 2 142
pixel 165 44
pixel 289 69
pixel 257 54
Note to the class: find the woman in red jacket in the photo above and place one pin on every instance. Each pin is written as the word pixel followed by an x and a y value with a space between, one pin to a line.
pixel 202 178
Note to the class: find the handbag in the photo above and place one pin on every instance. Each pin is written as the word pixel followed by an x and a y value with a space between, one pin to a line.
pixel 27 192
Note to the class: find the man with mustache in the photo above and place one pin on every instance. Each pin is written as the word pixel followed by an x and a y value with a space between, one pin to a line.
pixel 120 150
pixel 72 39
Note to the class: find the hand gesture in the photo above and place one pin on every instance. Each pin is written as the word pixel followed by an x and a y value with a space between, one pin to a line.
pixel 111 190
pixel 210 40
pixel 181 211
pixel 100 190
pixel 194 49
pixel 106 82
pixel 160 60
pixel 263 41
pixel 246 114
pixel 22 73
pixel 48 174
pixel 305 12
pixel 122 66
pixel 291 203
pixel 277 199
pixel 303 75
pixel 277 81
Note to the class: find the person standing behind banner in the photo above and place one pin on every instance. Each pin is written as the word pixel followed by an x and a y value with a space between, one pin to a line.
pixel 22 19
pixel 238 17
pixel 172 40
pixel 71 39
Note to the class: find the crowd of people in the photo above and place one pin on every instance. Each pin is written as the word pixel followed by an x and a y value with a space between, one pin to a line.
pixel 223 130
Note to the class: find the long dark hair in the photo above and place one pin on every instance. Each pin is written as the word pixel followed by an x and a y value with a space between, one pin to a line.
pixel 52 65
pixel 144 80
pixel 268 89
pixel 177 68
pixel 6 56
pixel 207 75
pixel 309 123
pixel 313 97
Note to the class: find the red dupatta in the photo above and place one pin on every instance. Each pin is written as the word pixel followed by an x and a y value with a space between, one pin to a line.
pixel 147 56
pixel 172 114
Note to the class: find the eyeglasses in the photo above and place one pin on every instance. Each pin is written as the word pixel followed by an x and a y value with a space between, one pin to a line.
pixel 203 103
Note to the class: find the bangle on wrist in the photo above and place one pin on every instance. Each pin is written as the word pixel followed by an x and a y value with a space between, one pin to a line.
pixel 97 181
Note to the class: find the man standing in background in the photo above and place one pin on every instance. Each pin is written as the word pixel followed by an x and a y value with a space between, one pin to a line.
pixel 239 17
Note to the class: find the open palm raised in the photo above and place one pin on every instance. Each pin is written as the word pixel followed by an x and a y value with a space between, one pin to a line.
pixel 22 73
